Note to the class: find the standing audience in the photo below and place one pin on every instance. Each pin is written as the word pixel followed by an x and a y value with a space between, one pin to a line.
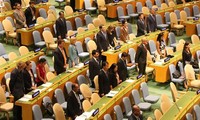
pixel 17 88
pixel 111 35
pixel 151 21
pixel 30 14
pixel 141 56
pixel 113 75
pixel 103 80
pixel 124 31
pixel 141 25
pixel 94 66
pixel 73 53
pixel 41 72
pixel 186 54
pixel 161 46
pixel 60 58
pixel 61 27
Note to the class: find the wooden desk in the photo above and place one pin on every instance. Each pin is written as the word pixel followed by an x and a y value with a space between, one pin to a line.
pixel 10 13
pixel 58 82
pixel 80 4
pixel 106 104
pixel 10 65
pixel 164 69
pixel 186 103
pixel 26 34
pixel 191 27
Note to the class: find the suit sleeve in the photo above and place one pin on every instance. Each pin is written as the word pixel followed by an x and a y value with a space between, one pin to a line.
pixel 140 28
pixel 98 42
pixel 91 68
pixel 148 24
pixel 12 81
pixel 70 106
pixel 57 28
pixel 57 59
pixel 26 84
pixel 137 54
pixel 100 81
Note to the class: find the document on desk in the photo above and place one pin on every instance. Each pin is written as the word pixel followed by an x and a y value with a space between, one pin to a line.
pixel 26 98
pixel 80 65
pixel 130 81
pixel 85 115
pixel 47 84
pixel 112 93
pixel 159 62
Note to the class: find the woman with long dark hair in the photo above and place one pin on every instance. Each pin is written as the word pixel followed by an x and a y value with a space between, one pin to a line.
pixel 186 54
pixel 160 45
pixel 113 75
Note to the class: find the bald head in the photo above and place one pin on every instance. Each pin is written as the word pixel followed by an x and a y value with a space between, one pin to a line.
pixel 136 110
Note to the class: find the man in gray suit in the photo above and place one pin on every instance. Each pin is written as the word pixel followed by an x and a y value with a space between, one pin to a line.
pixel 151 21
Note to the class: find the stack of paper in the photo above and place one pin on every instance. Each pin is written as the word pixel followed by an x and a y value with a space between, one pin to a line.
pixel 47 84
pixel 112 93
pixel 85 115
pixel 130 81
pixel 80 65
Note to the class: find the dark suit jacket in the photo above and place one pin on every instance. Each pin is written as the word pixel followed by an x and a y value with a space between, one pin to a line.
pixel 113 79
pixel 72 4
pixel 59 61
pixel 94 68
pixel 141 54
pixel 73 107
pixel 102 42
pixel 27 80
pixel 61 28
pixel 151 23
pixel 17 84
pixel 111 38
pixel 186 57
pixel 141 27
pixel 104 83
pixel 122 69
pixel 132 117
pixel 29 16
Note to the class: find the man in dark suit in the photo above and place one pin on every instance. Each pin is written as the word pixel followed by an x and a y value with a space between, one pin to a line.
pixel 72 4
pixel 102 42
pixel 136 115
pixel 122 67
pixel 94 66
pixel 103 80
pixel 60 58
pixel 61 27
pixel 141 25
pixel 17 88
pixel 151 21
pixel 30 14
pixel 141 56
pixel 74 107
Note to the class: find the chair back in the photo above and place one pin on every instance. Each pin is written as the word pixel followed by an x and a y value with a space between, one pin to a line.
pixel 172 69
pixel 91 45
pixel 173 19
pixel 86 105
pixel 88 19
pixel 81 80
pixel 36 36
pixel 172 38
pixel 59 96
pixel 118 32
pixel 164 107
pixel 195 39
pixel 158 3
pixel 95 98
pixel 130 9
pixel 86 92
pixel 96 83
pixel 52 11
pixel 101 3
pixel 152 46
pixel 172 4
pixel 144 89
pixel 12 56
pixel 164 6
pixel 78 22
pixel 157 114
pixel 136 96
pixel 80 30
pixel 52 7
pixel 51 17
pixel 69 25
pixel 2 50
pixel 7 6
pixel 130 28
pixel 58 112
pixel 187 10
pixel 40 20
pixel 197 111
pixel 183 16
pixel 189 72
pixel 158 19
pixel 33 67
pixel 48 37
pixel 198 55
pixel 149 4
pixel 139 7
pixel 127 105
pixel 145 10
pixel 189 116
pixel 174 91
pixel 120 11
pixel 2 95
pixel 177 12
pixel 91 26
pixel 118 112
pixel 79 47
pixel 23 50
pixel 46 100
pixel 102 19
pixel 7 25
pixel 87 4
pixel 198 29
pixel 2 61
pixel 167 17
pixel 68 10
pixel 50 76
pixel 179 47
pixel 132 55
pixel 149 118
pixel 68 86
pixel 43 13
pixel 96 22
pixel 107 117
pixel 165 98
pixel 37 113
pixel 195 10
